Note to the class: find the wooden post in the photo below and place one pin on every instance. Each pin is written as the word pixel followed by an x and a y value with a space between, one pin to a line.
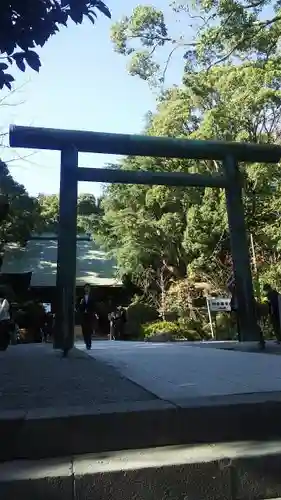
pixel 246 312
pixel 66 258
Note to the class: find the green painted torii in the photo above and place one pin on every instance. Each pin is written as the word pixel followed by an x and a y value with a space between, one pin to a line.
pixel 71 142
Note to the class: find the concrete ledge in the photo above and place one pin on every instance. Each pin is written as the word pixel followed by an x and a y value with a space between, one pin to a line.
pixel 240 470
pixel 51 433
pixel 224 471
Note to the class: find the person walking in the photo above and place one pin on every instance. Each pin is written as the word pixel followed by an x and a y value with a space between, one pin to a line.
pixel 87 312
pixel 273 300
pixel 121 322
pixel 111 320
pixel 4 324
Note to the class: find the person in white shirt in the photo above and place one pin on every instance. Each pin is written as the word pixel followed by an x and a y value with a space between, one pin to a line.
pixel 4 323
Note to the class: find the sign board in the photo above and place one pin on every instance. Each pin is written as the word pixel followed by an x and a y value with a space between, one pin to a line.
pixel 219 304
pixel 47 307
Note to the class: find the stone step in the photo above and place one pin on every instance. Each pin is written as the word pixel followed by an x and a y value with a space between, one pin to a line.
pixel 50 433
pixel 242 470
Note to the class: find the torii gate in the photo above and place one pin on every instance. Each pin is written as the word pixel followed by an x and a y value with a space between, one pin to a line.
pixel 71 142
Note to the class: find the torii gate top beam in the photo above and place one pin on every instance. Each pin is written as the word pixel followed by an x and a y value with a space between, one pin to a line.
pixel 138 145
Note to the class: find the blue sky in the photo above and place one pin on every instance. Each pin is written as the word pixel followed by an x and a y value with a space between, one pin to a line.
pixel 83 85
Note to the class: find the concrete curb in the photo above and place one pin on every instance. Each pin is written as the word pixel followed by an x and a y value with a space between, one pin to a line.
pixel 218 472
pixel 56 433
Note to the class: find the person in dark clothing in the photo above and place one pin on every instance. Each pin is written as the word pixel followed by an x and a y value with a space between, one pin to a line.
pixel 273 300
pixel 87 311
pixel 233 303
pixel 112 325
pixel 48 327
pixel 121 320
pixel 117 320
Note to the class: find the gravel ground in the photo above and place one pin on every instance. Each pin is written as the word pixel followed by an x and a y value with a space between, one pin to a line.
pixel 36 376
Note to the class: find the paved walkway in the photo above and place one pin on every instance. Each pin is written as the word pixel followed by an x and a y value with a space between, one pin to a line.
pixel 271 346
pixel 36 376
pixel 174 371
pixel 55 407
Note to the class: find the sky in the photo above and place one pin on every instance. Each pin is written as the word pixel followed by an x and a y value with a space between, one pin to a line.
pixel 84 85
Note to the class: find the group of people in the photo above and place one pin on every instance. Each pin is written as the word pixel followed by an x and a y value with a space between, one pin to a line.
pixel 88 317
pixel 9 325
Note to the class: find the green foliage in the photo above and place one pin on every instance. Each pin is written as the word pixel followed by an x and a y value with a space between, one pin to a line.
pixel 144 226
pixel 242 29
pixel 4 208
pixel 160 327
pixel 27 214
pixel 88 213
pixel 201 33
pixel 147 25
pixel 225 327
pixel 179 298
pixel 196 326
pixel 27 24
pixel 49 212
pixel 172 329
pixel 167 239
pixel 139 312
pixel 23 210
pixel 154 230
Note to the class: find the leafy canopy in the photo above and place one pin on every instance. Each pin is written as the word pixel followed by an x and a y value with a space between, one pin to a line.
pixel 175 232
pixel 23 210
pixel 203 33
pixel 88 213
pixel 27 24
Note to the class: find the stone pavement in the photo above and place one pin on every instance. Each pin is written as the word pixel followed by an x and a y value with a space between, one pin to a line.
pixel 271 346
pixel 175 371
pixel 35 376
pixel 52 406
pixel 177 394
pixel 210 430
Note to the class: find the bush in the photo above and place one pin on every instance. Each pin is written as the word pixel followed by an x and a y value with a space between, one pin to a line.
pixel 138 312
pixel 225 326
pixel 171 328
pixel 158 327
pixel 197 328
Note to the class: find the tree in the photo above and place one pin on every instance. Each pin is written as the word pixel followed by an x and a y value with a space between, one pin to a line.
pixel 4 208
pixel 22 215
pixel 142 225
pixel 206 33
pixel 88 213
pixel 230 29
pixel 27 24
pixel 87 205
pixel 49 213
pixel 186 230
